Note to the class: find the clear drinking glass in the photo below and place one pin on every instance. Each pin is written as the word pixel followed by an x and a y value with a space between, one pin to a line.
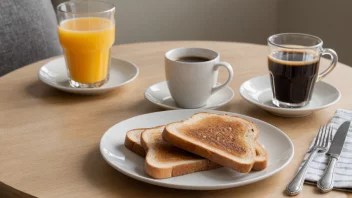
pixel 293 64
pixel 87 32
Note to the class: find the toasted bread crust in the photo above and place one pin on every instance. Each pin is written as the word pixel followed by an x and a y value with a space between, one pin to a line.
pixel 132 145
pixel 261 161
pixel 178 170
pixel 139 150
pixel 184 169
pixel 204 152
pixel 157 172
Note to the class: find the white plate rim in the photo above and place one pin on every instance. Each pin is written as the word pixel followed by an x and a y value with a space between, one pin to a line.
pixel 70 89
pixel 210 187
pixel 288 109
pixel 179 108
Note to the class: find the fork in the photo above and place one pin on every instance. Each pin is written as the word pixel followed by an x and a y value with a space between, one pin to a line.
pixel 321 144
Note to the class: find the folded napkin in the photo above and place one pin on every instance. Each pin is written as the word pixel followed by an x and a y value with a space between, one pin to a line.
pixel 343 169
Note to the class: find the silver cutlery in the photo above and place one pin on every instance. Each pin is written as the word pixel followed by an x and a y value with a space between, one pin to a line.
pixel 326 182
pixel 321 144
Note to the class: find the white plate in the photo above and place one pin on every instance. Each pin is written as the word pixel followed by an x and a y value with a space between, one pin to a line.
pixel 159 94
pixel 258 91
pixel 279 147
pixel 54 74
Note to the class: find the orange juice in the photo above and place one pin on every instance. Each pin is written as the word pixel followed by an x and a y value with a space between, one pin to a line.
pixel 86 43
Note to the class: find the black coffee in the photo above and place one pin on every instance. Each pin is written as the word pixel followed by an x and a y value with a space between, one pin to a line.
pixel 293 74
pixel 192 59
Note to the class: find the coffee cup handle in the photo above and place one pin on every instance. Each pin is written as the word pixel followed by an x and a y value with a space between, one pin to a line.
pixel 230 71
pixel 334 60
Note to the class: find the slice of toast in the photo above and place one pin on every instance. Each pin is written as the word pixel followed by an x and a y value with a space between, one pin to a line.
pixel 133 138
pixel 164 160
pixel 261 158
pixel 133 143
pixel 224 139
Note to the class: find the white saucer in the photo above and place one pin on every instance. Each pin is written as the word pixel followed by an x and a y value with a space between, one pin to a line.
pixel 159 94
pixel 277 143
pixel 54 74
pixel 258 91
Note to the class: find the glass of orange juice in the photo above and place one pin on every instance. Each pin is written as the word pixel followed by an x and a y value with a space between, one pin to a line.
pixel 87 32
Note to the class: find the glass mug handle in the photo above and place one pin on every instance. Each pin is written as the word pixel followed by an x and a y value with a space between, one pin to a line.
pixel 334 60
pixel 229 69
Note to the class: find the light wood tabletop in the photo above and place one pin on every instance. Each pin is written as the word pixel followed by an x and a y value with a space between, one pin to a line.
pixel 50 139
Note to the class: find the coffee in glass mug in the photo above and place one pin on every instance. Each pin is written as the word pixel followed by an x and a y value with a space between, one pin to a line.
pixel 293 64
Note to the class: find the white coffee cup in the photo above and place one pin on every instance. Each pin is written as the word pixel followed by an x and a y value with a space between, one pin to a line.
pixel 192 83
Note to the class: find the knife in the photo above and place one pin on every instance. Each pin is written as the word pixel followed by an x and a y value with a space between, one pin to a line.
pixel 326 182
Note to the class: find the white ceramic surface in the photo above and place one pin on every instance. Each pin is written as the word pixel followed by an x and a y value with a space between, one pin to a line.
pixel 54 74
pixel 159 94
pixel 192 83
pixel 277 143
pixel 258 91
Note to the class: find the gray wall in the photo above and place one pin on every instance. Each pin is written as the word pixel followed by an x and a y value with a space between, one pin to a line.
pixel 224 20
pixel 331 20
pixel 234 20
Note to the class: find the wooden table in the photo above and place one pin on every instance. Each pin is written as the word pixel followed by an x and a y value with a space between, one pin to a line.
pixel 49 139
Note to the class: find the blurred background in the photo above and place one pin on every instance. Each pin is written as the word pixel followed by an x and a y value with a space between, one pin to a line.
pixel 233 20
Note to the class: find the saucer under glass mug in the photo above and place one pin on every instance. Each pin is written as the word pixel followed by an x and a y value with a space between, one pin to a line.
pixel 293 64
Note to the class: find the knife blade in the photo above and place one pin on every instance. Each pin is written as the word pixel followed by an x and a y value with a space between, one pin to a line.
pixel 326 182
pixel 339 140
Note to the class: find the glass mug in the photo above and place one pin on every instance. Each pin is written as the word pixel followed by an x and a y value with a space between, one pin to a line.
pixel 86 32
pixel 293 64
